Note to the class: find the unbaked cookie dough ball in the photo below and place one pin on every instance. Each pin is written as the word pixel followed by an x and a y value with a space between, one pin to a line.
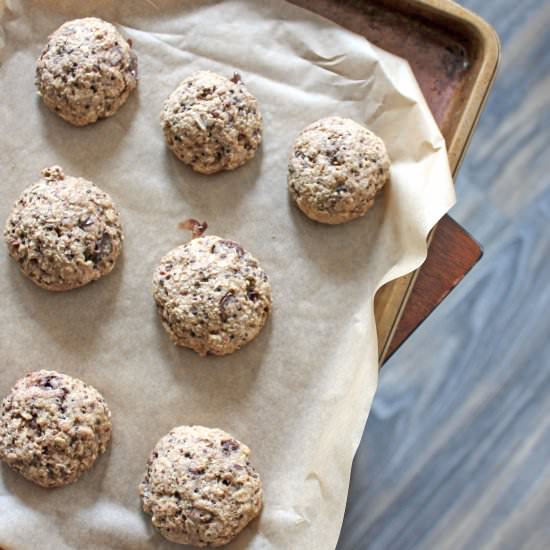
pixel 335 169
pixel 212 123
pixel 64 231
pixel 200 487
pixel 53 427
pixel 212 295
pixel 86 71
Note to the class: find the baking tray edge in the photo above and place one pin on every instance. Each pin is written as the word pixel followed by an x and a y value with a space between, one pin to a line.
pixel 461 138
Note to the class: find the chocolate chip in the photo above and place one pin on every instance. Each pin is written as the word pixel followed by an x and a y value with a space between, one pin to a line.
pixel 229 445
pixel 236 78
pixel 103 247
pixel 251 292
pixel 197 228
pixel 252 295
pixel 46 382
pixel 86 223
pixel 233 245
pixel 226 299
pixel 204 93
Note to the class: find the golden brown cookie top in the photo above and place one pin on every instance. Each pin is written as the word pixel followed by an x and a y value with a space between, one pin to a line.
pixel 335 169
pixel 212 123
pixel 200 486
pixel 53 427
pixel 64 231
pixel 86 71
pixel 212 295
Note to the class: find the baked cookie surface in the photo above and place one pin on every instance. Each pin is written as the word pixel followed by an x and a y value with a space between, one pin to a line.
pixel 212 123
pixel 212 295
pixel 53 427
pixel 64 231
pixel 86 71
pixel 200 487
pixel 335 169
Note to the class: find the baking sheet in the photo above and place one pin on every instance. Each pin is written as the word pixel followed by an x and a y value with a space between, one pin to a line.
pixel 299 395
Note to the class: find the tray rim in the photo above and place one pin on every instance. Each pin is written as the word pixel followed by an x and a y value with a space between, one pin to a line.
pixel 458 141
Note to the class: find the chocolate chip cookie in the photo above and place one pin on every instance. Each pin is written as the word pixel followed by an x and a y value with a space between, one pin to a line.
pixel 335 169
pixel 53 427
pixel 86 71
pixel 64 231
pixel 212 123
pixel 200 487
pixel 212 295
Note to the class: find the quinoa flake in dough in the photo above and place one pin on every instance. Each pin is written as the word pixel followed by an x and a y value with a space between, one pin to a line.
pixel 200 487
pixel 335 169
pixel 212 295
pixel 212 123
pixel 53 427
pixel 64 231
pixel 86 71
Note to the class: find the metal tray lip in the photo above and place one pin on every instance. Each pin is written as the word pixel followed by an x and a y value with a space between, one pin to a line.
pixel 484 79
pixel 481 87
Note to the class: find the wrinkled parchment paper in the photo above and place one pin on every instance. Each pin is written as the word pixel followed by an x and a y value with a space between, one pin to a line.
pixel 300 394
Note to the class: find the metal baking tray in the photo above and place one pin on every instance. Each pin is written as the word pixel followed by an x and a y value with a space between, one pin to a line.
pixel 454 55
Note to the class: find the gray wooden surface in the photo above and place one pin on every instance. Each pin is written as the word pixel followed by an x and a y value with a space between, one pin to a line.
pixel 456 453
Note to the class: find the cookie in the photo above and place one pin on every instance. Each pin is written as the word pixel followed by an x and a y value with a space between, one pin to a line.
pixel 64 231
pixel 212 295
pixel 335 169
pixel 53 427
pixel 212 123
pixel 200 487
pixel 86 71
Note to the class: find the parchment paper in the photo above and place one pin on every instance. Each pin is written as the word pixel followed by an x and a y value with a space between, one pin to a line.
pixel 299 395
